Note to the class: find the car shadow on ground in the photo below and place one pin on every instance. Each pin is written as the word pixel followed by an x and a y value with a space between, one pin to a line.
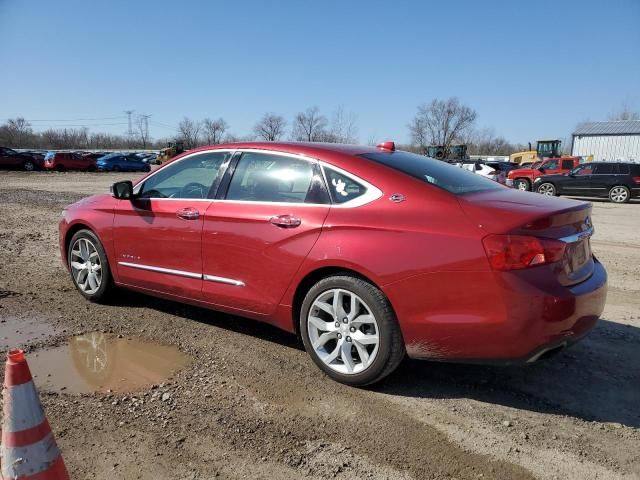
pixel 598 379
pixel 603 200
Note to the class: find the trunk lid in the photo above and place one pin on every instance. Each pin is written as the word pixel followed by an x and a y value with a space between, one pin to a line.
pixel 522 213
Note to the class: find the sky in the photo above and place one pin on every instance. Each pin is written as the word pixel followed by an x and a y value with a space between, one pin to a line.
pixel 531 69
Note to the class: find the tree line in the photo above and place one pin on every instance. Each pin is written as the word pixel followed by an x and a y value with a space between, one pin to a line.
pixel 439 122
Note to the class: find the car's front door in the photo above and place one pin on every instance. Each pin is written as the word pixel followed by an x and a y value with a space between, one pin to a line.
pixel 256 237
pixel 157 235
pixel 577 181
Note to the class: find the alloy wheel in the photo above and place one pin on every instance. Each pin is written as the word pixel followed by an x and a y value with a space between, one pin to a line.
pixel 618 194
pixel 86 267
pixel 547 189
pixel 343 332
pixel 28 166
pixel 522 185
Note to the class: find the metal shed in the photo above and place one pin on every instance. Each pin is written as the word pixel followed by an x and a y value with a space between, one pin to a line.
pixel 607 141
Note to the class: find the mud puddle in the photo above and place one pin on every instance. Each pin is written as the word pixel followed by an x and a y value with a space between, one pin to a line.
pixel 20 332
pixel 98 362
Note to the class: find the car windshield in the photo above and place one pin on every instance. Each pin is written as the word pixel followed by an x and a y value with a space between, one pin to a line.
pixel 448 177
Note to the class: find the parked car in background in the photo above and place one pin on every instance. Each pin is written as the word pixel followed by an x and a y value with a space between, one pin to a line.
pixel 38 157
pixel 63 161
pixel 483 169
pixel 618 181
pixel 119 162
pixel 367 253
pixel 10 158
pixel 523 178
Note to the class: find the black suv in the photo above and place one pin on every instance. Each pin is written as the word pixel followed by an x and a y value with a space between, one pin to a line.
pixel 617 181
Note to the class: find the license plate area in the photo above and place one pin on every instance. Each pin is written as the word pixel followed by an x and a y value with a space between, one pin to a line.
pixel 578 255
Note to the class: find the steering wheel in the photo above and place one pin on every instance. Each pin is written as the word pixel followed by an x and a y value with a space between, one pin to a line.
pixel 194 190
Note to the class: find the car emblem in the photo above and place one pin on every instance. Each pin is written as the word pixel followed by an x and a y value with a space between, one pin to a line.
pixel 397 198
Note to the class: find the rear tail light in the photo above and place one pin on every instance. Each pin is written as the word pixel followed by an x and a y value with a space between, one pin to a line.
pixel 636 180
pixel 515 252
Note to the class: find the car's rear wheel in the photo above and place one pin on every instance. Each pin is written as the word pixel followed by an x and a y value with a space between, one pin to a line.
pixel 28 166
pixel 60 168
pixel 522 184
pixel 89 266
pixel 350 330
pixel 619 194
pixel 547 189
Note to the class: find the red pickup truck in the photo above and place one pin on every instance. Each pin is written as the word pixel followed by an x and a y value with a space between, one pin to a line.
pixel 523 178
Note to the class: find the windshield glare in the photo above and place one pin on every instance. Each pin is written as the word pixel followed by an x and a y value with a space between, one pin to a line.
pixel 441 174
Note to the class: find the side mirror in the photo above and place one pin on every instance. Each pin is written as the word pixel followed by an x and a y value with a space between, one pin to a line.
pixel 478 166
pixel 122 190
pixel 541 169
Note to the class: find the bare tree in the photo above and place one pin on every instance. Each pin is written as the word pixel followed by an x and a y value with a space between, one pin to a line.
pixel 213 130
pixel 270 127
pixel 441 122
pixel 625 113
pixel 309 126
pixel 343 128
pixel 189 132
pixel 142 127
pixel 17 132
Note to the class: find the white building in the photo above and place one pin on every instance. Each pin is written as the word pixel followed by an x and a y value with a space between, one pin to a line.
pixel 607 141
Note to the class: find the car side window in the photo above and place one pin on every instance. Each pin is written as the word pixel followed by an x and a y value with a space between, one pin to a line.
pixel 582 170
pixel 262 177
pixel 194 177
pixel 343 188
pixel 567 164
pixel 552 165
pixel 605 169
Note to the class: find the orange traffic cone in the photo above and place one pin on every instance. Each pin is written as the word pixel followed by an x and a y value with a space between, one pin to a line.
pixel 29 450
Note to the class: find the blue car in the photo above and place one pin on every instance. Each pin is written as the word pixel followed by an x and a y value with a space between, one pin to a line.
pixel 120 162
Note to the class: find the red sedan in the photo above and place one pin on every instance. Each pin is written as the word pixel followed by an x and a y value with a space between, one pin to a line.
pixel 367 253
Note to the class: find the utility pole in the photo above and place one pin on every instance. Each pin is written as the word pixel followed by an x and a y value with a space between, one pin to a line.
pixel 146 127
pixel 130 132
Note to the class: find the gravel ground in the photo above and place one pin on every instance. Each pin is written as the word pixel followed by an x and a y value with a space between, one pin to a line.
pixel 252 405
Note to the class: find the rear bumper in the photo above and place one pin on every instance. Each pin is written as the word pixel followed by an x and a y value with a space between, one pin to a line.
pixel 491 317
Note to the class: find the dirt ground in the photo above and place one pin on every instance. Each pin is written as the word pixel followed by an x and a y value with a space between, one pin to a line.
pixel 251 404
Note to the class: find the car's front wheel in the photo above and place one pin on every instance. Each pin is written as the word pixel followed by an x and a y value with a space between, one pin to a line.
pixel 547 189
pixel 619 194
pixel 89 266
pixel 350 330
pixel 522 184
pixel 28 166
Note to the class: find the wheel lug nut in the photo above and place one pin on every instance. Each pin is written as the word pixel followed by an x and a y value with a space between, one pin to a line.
pixel 345 320
pixel 348 339
pixel 337 324
pixel 339 335
pixel 352 329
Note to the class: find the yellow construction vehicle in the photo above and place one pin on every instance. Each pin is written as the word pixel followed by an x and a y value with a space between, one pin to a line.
pixel 171 150
pixel 544 149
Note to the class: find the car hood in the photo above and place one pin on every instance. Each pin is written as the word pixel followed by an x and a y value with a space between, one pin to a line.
pixel 520 171
pixel 504 210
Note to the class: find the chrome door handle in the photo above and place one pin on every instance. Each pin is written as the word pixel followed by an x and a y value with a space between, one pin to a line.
pixel 286 221
pixel 188 214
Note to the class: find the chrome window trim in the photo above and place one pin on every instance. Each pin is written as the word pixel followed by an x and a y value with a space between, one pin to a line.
pixel 182 273
pixel 577 237
pixel 170 271
pixel 225 280
pixel 372 192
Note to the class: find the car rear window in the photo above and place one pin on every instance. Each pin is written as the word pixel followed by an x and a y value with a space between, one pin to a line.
pixel 435 172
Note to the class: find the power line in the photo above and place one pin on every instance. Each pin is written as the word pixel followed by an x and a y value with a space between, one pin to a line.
pixel 71 119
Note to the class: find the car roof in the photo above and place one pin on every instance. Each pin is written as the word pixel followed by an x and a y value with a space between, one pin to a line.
pixel 307 148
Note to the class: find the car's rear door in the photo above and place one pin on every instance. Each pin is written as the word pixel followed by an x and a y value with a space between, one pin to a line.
pixel 157 235
pixel 257 235
pixel 603 178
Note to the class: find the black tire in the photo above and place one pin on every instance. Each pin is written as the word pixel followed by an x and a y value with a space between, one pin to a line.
pixel 106 285
pixel 619 194
pixel 391 349
pixel 522 184
pixel 60 168
pixel 28 166
pixel 547 188
pixel 115 168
